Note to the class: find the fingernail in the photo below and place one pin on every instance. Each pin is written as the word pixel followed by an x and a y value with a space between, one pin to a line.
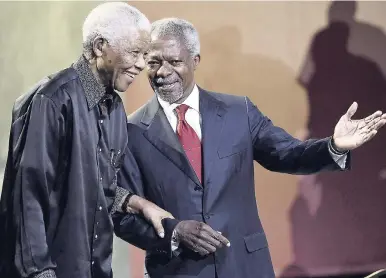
pixel 219 232
pixel 162 235
pixel 228 244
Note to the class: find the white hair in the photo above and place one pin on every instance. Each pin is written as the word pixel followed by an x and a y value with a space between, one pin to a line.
pixel 112 21
pixel 179 28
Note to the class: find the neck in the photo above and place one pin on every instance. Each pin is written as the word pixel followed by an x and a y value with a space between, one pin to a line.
pixel 99 76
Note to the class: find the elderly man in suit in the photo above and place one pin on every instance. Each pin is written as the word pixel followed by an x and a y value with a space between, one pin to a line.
pixel 195 150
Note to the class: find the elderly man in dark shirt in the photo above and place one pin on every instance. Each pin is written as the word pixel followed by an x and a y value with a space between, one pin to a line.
pixel 67 141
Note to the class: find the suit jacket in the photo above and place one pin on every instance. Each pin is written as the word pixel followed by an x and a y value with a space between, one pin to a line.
pixel 234 134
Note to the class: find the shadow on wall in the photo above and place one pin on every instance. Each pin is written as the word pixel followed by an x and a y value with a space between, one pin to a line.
pixel 293 271
pixel 338 219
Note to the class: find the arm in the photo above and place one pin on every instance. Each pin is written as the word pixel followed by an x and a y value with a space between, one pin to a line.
pixel 35 177
pixel 131 227
pixel 276 150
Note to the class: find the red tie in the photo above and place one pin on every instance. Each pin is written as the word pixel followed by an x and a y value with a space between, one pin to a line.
pixel 189 140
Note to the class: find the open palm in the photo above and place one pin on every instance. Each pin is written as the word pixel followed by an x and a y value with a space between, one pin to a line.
pixel 350 134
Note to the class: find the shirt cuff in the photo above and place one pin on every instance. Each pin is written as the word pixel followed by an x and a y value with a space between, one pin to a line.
pixel 175 244
pixel 120 196
pixel 339 158
pixel 49 273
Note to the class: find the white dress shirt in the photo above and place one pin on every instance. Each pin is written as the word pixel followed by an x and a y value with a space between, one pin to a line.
pixel 193 118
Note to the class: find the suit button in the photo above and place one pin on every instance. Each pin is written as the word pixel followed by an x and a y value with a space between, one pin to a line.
pixel 207 216
pixel 197 188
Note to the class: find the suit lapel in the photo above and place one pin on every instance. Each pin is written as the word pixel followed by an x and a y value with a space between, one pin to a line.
pixel 212 112
pixel 162 136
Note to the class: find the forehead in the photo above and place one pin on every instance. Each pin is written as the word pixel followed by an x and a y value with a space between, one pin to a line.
pixel 135 39
pixel 167 46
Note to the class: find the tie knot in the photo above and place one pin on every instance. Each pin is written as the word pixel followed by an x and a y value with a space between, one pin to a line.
pixel 181 111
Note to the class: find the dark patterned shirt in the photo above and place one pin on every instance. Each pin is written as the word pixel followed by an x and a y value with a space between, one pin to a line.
pixel 67 142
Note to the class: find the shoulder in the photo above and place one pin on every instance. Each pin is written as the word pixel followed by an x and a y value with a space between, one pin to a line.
pixel 58 84
pixel 136 116
pixel 231 102
pixel 51 89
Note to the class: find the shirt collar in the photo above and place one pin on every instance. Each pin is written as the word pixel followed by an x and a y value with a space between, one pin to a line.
pixel 192 101
pixel 93 91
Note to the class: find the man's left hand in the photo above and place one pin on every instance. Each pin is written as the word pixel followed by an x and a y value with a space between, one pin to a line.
pixel 350 134
pixel 152 213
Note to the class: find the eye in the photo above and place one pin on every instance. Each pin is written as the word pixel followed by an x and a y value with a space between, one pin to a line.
pixel 152 63
pixel 175 62
pixel 135 53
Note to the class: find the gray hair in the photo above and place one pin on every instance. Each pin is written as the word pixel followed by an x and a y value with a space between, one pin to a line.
pixel 112 21
pixel 179 28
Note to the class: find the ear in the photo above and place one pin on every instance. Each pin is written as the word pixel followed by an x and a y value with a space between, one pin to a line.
pixel 98 46
pixel 196 61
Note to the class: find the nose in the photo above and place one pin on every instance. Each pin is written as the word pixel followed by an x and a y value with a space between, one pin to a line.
pixel 164 71
pixel 140 63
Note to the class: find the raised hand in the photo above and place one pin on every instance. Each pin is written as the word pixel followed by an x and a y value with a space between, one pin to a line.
pixel 350 134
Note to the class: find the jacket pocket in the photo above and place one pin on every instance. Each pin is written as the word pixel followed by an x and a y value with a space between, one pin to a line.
pixel 231 150
pixel 255 242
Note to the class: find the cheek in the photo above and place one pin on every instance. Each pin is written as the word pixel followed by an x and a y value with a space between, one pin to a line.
pixel 181 72
pixel 185 76
pixel 110 59
pixel 126 61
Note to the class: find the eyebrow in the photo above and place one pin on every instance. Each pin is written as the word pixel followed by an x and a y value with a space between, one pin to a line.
pixel 152 56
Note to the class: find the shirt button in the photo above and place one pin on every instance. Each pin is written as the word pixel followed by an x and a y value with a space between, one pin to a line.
pixel 100 178
pixel 101 121
pixel 100 207
pixel 97 223
pixel 92 262
pixel 96 236
pixel 100 150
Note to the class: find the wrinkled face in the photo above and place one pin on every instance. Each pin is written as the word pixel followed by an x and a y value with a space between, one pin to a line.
pixel 121 61
pixel 170 68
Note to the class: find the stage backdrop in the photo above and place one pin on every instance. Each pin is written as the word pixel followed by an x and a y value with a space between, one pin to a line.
pixel 302 63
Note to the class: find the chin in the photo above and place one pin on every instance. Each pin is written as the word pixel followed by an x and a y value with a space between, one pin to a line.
pixel 168 96
pixel 122 87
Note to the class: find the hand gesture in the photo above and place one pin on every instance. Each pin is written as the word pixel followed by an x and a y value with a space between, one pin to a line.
pixel 350 134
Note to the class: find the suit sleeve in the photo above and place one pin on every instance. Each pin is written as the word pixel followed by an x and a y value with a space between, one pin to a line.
pixel 35 178
pixel 133 228
pixel 278 151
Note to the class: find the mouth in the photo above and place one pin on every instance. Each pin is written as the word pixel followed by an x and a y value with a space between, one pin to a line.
pixel 167 86
pixel 130 74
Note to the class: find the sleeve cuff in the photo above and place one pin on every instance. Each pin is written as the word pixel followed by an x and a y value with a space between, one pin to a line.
pixel 49 273
pixel 175 244
pixel 120 197
pixel 339 157
pixel 333 149
pixel 170 226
